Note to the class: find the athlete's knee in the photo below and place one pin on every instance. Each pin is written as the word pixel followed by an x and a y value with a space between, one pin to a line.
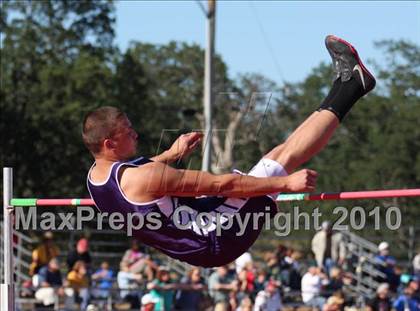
pixel 287 157
pixel 275 152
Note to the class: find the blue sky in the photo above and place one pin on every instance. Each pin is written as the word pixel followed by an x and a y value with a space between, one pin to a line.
pixel 282 40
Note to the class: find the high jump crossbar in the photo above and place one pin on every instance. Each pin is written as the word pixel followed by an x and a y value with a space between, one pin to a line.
pixel 354 195
pixel 7 292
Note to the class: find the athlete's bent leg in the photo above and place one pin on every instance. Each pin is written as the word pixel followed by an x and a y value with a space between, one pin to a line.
pixel 352 82
pixel 306 141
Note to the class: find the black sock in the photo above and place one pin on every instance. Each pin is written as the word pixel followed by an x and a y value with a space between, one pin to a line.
pixel 333 91
pixel 343 100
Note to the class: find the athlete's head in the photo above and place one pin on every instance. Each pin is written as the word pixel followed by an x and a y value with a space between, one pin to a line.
pixel 107 133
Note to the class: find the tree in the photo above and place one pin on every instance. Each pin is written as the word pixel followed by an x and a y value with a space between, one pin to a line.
pixel 55 67
pixel 242 117
pixel 175 92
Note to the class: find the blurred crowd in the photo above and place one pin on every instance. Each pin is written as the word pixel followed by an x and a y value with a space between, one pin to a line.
pixel 282 279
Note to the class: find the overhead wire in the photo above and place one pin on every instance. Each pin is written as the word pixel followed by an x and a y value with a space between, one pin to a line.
pixel 266 41
pixel 201 5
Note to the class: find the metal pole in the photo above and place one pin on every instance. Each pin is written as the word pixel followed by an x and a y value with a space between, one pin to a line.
pixel 7 289
pixel 411 242
pixel 208 84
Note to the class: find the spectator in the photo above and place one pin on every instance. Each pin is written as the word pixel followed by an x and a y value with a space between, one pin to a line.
pixel 269 299
pixel 246 279
pixel 335 282
pixel 92 307
pixel 334 303
pixel 291 276
pixel 406 302
pixel 103 278
pixel 190 299
pixel 50 283
pixel 381 301
pixel 273 266
pixel 260 281
pixel 415 286
pixel 79 283
pixel 220 285
pixel 161 289
pixel 128 283
pixel 242 261
pixel 43 253
pixel 233 301
pixel 312 283
pixel 403 279
pixel 138 261
pixel 81 253
pixel 281 252
pixel 416 265
pixel 246 304
pixel 148 302
pixel 328 247
pixel 386 264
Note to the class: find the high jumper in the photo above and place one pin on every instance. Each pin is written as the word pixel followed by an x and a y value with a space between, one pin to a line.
pixel 143 185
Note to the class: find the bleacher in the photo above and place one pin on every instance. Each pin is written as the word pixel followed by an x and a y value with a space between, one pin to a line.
pixel 110 245
pixel 104 245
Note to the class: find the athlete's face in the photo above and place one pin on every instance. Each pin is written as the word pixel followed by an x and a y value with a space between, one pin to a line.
pixel 124 141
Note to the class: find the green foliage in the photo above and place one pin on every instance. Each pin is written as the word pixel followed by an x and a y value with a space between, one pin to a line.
pixel 54 69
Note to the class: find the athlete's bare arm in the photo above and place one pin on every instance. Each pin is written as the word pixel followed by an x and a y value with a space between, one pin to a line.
pixel 182 147
pixel 154 180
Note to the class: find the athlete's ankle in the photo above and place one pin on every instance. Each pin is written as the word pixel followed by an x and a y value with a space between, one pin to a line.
pixel 331 94
pixel 346 96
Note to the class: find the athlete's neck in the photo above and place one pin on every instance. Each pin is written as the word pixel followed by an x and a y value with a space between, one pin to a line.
pixel 105 160
pixel 100 170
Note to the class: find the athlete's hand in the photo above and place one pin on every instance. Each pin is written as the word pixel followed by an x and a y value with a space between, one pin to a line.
pixel 185 144
pixel 302 181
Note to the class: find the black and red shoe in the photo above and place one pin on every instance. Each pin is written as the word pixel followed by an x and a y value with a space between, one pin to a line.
pixel 347 63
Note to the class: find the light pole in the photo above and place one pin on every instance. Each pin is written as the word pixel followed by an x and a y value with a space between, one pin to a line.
pixel 208 84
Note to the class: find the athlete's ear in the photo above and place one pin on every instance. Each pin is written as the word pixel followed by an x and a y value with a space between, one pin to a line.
pixel 109 143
